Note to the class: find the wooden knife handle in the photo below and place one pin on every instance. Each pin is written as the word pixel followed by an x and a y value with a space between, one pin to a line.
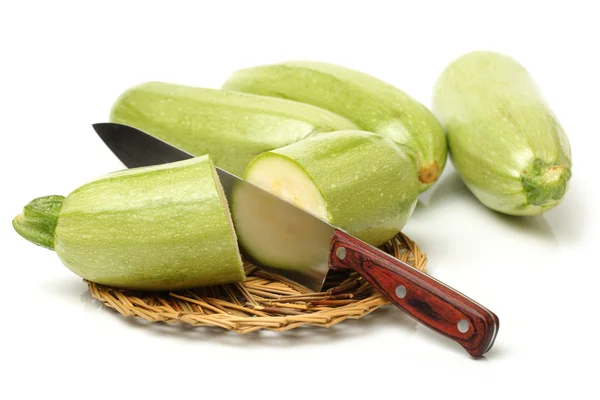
pixel 429 301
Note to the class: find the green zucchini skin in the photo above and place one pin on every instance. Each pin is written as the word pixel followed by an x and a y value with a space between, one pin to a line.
pixel 164 227
pixel 368 183
pixel 370 103
pixel 232 127
pixel 505 141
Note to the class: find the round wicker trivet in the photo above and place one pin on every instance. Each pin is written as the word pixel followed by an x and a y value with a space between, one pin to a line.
pixel 264 301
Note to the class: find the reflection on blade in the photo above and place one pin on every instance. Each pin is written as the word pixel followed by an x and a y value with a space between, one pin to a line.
pixel 278 235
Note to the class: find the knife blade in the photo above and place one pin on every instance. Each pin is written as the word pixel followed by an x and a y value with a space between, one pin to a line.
pixel 278 235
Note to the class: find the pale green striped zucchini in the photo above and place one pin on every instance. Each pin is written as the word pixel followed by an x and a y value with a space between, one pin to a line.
pixel 164 227
pixel 370 103
pixel 357 181
pixel 232 127
pixel 508 146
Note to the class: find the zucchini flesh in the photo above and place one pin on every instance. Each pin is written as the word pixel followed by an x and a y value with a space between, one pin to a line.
pixel 164 227
pixel 285 179
pixel 506 143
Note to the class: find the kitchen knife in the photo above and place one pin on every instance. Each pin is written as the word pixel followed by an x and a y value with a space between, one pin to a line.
pixel 274 233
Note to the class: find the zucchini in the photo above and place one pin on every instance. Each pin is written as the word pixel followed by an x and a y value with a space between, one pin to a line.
pixel 357 181
pixel 506 143
pixel 163 227
pixel 370 103
pixel 232 127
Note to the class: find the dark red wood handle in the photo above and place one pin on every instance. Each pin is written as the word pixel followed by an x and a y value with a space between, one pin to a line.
pixel 429 301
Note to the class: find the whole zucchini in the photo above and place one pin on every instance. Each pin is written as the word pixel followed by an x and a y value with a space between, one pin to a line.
pixel 358 181
pixel 505 141
pixel 232 127
pixel 370 103
pixel 164 227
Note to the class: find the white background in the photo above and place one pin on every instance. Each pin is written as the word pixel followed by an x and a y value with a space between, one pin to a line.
pixel 62 66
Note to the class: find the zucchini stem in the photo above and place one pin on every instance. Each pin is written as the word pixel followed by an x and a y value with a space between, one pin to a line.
pixel 38 220
pixel 429 173
pixel 545 183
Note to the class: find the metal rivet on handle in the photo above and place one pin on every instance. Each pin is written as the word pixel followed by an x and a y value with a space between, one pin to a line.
pixel 400 291
pixel 463 325
pixel 340 252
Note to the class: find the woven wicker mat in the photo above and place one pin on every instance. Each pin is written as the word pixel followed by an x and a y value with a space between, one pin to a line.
pixel 264 301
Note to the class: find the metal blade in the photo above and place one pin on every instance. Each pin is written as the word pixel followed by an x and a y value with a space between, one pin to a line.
pixel 278 235
pixel 136 148
pixel 271 232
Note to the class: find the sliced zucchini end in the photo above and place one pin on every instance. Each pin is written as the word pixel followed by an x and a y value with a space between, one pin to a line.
pixel 286 179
